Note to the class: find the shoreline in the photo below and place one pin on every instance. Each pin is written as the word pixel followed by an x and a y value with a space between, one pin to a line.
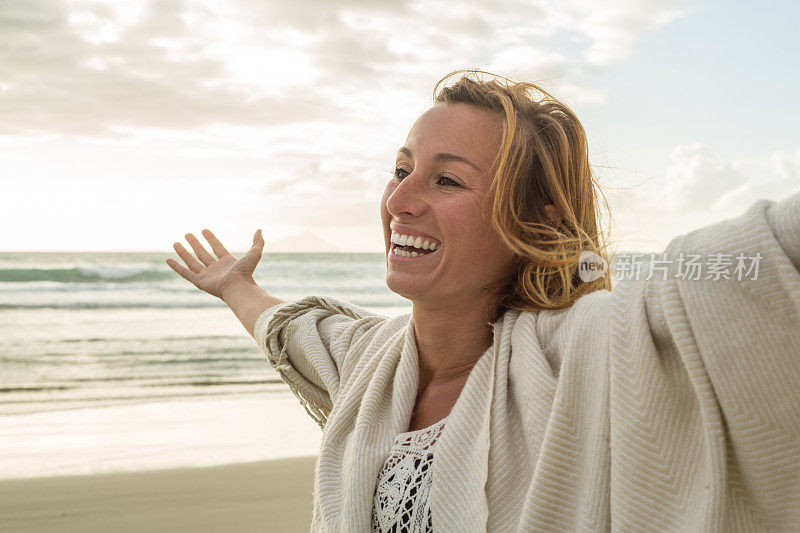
pixel 156 435
pixel 271 495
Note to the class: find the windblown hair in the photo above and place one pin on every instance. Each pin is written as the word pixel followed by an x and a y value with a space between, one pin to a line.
pixel 543 159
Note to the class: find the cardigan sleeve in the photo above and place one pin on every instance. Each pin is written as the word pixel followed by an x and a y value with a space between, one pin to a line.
pixel 747 330
pixel 727 343
pixel 314 344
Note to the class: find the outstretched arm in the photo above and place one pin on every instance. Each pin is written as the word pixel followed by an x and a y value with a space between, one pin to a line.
pixel 314 344
pixel 248 301
pixel 714 361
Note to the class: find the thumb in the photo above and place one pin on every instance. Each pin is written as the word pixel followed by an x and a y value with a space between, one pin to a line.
pixel 257 239
pixel 249 260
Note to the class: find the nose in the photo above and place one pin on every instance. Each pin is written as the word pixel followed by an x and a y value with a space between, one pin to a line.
pixel 408 197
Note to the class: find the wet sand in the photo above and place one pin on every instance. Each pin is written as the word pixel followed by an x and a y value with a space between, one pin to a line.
pixel 271 495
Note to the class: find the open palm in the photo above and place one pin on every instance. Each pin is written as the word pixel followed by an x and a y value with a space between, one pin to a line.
pixel 211 274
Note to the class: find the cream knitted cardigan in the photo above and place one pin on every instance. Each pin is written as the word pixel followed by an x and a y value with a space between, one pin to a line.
pixel 660 406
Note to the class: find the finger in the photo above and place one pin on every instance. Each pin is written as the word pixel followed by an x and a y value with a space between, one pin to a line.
pixel 201 252
pixel 215 244
pixel 250 260
pixel 257 249
pixel 183 271
pixel 258 240
pixel 193 264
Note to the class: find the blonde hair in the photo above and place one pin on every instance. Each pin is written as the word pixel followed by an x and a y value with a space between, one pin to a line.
pixel 543 159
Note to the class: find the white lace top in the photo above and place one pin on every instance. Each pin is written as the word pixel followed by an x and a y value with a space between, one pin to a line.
pixel 401 503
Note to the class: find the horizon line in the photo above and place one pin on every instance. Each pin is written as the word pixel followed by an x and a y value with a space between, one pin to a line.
pixel 173 251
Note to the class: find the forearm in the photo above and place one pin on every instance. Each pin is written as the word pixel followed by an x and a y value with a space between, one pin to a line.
pixel 247 301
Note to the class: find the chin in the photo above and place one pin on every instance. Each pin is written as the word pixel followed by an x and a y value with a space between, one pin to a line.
pixel 405 288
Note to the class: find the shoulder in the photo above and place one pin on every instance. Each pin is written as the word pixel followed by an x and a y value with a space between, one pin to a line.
pixel 370 332
pixel 590 310
pixel 579 329
pixel 393 327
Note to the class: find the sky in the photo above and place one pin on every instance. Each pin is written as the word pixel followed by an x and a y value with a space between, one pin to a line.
pixel 126 124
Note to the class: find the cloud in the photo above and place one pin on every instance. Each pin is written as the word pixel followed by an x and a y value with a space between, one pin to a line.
pixel 613 28
pixel 697 188
pixel 93 67
pixel 77 69
pixel 287 109
pixel 786 165
pixel 697 179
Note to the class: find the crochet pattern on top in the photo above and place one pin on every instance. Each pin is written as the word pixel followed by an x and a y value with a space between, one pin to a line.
pixel 401 496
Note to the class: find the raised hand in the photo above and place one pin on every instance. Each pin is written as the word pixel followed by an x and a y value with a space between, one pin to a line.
pixel 213 275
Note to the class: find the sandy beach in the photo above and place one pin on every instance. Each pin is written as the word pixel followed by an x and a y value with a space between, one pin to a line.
pixel 273 495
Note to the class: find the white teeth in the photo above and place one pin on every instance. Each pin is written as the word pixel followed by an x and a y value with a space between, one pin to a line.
pixel 410 240
pixel 398 251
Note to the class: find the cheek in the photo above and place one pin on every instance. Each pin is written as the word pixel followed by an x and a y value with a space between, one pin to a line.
pixel 482 237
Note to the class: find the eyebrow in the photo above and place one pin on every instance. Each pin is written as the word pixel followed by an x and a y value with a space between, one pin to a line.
pixel 442 157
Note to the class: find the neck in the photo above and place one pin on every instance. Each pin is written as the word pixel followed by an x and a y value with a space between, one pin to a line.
pixel 450 338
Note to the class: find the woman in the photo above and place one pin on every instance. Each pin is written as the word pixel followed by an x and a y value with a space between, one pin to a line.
pixel 537 400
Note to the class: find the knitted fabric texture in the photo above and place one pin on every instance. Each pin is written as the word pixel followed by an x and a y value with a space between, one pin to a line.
pixel 667 404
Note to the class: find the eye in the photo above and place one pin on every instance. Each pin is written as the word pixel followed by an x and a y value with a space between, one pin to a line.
pixel 452 183
pixel 443 180
pixel 396 173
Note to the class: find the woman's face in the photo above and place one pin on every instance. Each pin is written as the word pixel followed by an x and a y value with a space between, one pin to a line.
pixel 439 198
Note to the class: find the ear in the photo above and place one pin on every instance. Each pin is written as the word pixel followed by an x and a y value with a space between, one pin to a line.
pixel 552 214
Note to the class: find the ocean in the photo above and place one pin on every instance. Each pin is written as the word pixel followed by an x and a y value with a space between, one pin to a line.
pixel 111 361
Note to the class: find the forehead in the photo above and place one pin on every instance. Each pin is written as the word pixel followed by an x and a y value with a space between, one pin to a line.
pixel 460 129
